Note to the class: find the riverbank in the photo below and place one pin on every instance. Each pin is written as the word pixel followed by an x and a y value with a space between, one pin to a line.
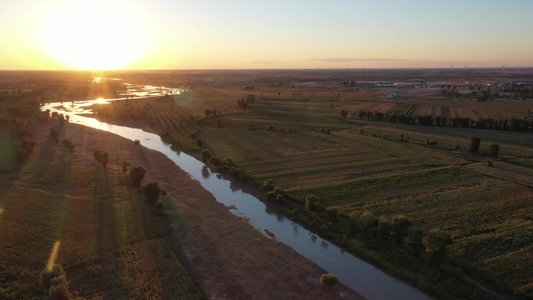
pixel 228 258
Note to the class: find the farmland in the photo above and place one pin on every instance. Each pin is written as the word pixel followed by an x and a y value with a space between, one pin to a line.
pixel 361 165
pixel 306 139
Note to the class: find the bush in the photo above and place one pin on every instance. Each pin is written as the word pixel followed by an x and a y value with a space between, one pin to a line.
pixel 489 163
pixel 137 175
pixel 136 142
pixel 152 191
pixel 329 280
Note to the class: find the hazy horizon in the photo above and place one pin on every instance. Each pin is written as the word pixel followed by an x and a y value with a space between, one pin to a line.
pixel 217 35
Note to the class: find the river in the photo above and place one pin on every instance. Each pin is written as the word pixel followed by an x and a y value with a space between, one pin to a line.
pixel 362 277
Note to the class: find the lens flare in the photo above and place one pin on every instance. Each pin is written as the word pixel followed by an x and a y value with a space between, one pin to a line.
pixel 53 256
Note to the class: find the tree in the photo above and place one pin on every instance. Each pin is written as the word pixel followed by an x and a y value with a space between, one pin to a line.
pixel 367 222
pixel 137 175
pixel 242 104
pixel 400 228
pixel 344 113
pixel 415 241
pixel 250 98
pixel 495 150
pixel 436 243
pixel 152 191
pixel 383 231
pixel 125 165
pixel 205 155
pixel 312 202
pixel 54 283
pixel 268 185
pixel 473 146
pixel 101 157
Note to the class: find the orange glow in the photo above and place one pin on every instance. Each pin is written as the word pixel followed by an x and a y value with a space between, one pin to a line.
pixel 92 35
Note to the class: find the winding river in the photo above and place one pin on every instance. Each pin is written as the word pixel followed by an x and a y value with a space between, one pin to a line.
pixel 364 278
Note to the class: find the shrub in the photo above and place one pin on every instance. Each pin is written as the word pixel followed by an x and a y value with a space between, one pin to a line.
pixel 385 136
pixel 361 131
pixel 271 128
pixel 329 280
pixel 402 137
pixel 328 131
pixel 152 191
pixel 136 142
pixel 137 175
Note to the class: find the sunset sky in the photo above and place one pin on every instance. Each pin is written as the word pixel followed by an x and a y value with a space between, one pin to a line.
pixel 222 34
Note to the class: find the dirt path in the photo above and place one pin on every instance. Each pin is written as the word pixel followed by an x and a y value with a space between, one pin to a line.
pixel 225 255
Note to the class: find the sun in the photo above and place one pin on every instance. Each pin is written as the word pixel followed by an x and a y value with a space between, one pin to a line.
pixel 93 35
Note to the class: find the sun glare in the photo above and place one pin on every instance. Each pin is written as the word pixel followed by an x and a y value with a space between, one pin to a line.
pixel 93 35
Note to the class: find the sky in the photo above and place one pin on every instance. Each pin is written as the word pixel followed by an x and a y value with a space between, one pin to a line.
pixel 264 34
